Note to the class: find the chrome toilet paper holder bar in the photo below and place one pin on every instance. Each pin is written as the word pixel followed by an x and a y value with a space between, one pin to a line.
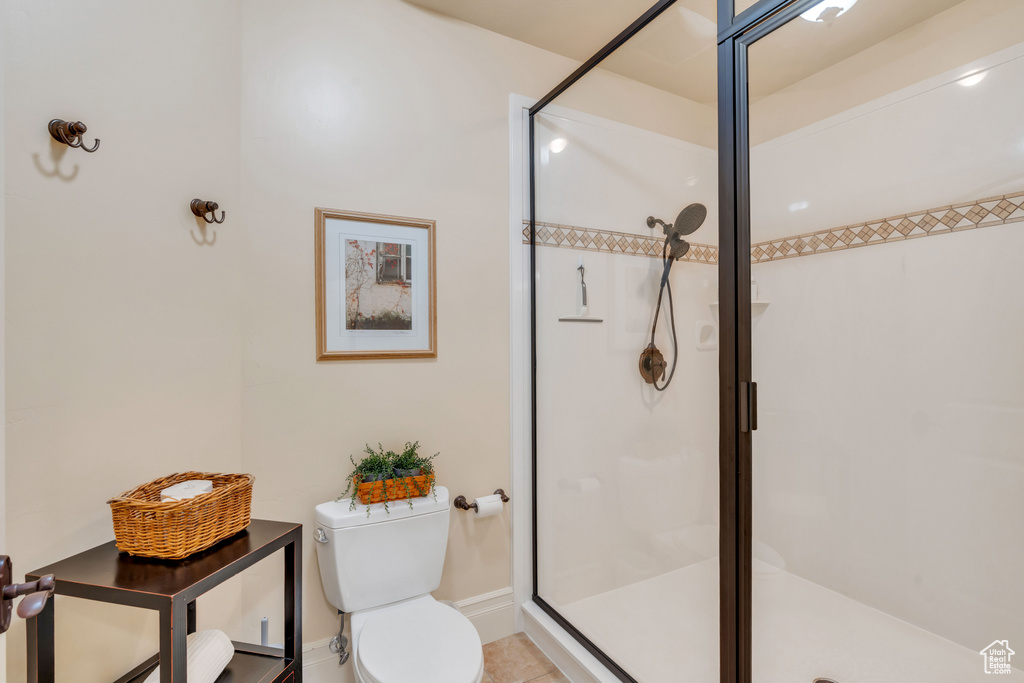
pixel 461 502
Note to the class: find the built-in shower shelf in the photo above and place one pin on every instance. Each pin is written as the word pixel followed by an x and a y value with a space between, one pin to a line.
pixel 756 308
pixel 579 319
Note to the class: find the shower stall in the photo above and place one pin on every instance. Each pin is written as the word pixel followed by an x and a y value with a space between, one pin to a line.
pixel 832 485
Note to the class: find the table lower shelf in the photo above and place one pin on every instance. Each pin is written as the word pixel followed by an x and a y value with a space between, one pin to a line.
pixel 251 664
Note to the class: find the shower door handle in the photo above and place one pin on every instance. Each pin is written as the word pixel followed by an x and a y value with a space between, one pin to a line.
pixel 748 406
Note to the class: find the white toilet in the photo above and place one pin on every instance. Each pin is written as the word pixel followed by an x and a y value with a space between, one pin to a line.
pixel 380 568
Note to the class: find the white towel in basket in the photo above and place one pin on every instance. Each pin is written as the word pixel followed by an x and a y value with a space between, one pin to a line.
pixel 208 653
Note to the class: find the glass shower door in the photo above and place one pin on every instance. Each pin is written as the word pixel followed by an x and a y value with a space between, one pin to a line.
pixel 627 470
pixel 887 224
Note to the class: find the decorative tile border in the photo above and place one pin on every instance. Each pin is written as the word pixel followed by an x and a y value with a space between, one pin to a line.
pixel 982 213
pixel 609 242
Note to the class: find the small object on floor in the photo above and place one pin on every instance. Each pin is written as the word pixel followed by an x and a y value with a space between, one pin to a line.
pixel 209 652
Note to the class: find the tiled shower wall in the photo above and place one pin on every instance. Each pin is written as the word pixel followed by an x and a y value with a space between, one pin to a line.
pixel 888 457
pixel 609 445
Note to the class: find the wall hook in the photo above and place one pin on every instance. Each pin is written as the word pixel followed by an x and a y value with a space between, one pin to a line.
pixel 70 133
pixel 201 208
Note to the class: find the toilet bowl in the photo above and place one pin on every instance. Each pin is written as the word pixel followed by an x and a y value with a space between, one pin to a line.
pixel 379 565
pixel 418 640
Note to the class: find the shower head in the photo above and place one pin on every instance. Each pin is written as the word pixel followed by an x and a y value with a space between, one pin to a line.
pixel 677 247
pixel 690 218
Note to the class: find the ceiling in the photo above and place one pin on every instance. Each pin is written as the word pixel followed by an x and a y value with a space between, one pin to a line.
pixel 676 52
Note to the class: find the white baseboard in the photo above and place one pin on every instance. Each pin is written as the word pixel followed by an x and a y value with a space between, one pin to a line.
pixel 320 665
pixel 491 614
pixel 314 653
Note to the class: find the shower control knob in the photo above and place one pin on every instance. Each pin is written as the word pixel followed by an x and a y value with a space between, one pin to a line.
pixel 652 364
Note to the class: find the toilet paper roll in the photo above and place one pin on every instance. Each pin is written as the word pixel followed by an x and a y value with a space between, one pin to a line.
pixel 208 654
pixel 186 489
pixel 488 505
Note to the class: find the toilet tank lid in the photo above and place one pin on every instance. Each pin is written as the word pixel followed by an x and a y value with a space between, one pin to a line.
pixel 337 514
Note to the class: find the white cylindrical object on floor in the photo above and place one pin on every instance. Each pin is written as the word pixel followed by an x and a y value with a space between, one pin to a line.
pixel 488 505
pixel 209 653
pixel 186 489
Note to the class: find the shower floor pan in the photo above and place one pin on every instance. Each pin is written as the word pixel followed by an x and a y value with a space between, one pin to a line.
pixel 665 629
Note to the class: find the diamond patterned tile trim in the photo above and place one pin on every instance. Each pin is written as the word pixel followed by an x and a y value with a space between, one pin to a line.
pixel 980 213
pixel 608 241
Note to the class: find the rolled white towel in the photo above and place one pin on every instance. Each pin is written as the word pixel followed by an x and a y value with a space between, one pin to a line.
pixel 186 489
pixel 208 653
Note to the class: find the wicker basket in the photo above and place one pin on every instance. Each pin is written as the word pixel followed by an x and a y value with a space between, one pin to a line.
pixel 373 491
pixel 146 527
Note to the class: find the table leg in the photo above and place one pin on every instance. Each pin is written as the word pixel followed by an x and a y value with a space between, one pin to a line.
pixel 40 645
pixel 173 654
pixel 293 602
pixel 190 619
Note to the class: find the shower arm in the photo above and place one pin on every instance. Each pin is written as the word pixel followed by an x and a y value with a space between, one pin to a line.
pixel 652 221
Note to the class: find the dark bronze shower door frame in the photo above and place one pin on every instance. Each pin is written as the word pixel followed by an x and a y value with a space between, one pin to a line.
pixel 737 391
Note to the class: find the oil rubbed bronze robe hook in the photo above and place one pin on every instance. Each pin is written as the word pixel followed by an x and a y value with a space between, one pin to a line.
pixel 201 208
pixel 70 133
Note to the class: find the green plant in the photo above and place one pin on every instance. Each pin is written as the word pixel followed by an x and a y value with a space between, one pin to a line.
pixel 410 459
pixel 375 465
pixel 382 464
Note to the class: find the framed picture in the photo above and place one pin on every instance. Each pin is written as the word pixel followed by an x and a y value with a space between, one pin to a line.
pixel 376 295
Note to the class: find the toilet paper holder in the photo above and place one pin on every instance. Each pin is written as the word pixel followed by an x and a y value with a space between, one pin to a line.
pixel 461 502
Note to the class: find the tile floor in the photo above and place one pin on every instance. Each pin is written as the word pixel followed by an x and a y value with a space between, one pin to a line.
pixel 517 660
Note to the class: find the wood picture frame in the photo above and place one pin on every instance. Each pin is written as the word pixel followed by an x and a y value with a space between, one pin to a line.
pixel 376 286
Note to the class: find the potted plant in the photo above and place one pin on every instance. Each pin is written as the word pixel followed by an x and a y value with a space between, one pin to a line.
pixel 383 476
pixel 373 467
pixel 412 471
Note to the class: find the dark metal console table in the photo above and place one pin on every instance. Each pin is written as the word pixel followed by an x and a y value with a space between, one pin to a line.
pixel 171 587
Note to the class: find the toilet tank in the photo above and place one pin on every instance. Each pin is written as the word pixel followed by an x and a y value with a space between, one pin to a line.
pixel 370 560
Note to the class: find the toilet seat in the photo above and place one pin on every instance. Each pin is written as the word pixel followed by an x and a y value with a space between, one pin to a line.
pixel 422 641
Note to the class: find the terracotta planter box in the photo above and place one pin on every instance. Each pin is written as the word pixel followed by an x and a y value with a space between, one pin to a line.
pixel 373 491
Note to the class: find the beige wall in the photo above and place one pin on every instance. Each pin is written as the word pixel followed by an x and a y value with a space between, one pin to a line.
pixel 378 107
pixel 136 352
pixel 123 335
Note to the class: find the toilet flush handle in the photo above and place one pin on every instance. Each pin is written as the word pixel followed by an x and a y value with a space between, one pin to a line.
pixel 320 535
